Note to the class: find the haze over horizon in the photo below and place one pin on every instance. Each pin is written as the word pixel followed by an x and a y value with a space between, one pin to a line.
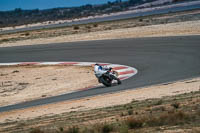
pixel 6 5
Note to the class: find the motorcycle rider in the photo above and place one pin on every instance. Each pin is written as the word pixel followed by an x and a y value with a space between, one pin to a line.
pixel 100 70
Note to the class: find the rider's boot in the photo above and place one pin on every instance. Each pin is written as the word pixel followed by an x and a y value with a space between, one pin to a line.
pixel 119 81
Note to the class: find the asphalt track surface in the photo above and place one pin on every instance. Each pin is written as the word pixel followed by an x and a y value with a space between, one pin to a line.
pixel 158 60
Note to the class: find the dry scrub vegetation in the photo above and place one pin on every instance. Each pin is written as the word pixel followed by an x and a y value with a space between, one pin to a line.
pixel 180 113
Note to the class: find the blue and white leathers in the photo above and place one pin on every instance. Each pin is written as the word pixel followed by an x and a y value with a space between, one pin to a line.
pixel 99 70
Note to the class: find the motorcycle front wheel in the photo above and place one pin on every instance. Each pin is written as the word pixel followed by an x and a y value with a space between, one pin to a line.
pixel 119 81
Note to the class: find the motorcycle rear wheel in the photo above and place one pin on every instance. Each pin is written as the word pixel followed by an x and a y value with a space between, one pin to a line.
pixel 105 81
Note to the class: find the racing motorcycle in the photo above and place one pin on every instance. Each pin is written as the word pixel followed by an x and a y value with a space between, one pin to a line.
pixel 109 78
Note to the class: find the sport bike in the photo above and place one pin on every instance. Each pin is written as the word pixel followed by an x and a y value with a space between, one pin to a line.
pixel 109 78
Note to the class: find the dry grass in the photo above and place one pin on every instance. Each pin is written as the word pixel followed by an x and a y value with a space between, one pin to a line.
pixel 146 116
pixel 164 119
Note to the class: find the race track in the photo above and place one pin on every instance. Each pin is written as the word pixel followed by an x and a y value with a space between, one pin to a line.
pixel 158 60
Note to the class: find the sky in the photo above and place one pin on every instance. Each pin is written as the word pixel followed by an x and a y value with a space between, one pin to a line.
pixel 6 5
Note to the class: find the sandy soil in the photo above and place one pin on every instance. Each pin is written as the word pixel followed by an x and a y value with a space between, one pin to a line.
pixel 158 91
pixel 171 29
pixel 24 83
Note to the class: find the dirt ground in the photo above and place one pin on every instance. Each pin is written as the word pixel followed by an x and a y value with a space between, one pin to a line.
pixel 25 83
pixel 107 100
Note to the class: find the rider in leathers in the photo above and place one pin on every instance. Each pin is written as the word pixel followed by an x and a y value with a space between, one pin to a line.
pixel 100 70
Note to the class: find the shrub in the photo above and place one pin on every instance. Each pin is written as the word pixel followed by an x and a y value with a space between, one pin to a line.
pixel 130 112
pixel 61 129
pixel 108 28
pixel 107 128
pixel 123 129
pixel 133 123
pixel 76 27
pixel 103 128
pixel 158 108
pixel 181 117
pixel 163 108
pixel 140 19
pixel 95 25
pixel 5 40
pixel 198 112
pixel 168 119
pixel 159 102
pixel 27 34
pixel 37 130
pixel 122 114
pixel 175 105
pixel 88 27
pixel 73 129
pixel 86 130
pixel 128 107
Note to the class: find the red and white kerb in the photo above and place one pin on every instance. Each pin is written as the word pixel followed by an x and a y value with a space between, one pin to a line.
pixel 124 72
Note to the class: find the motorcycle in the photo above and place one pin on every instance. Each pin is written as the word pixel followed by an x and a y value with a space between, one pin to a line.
pixel 109 77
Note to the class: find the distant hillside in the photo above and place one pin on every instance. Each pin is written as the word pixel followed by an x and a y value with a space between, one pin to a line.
pixel 21 17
